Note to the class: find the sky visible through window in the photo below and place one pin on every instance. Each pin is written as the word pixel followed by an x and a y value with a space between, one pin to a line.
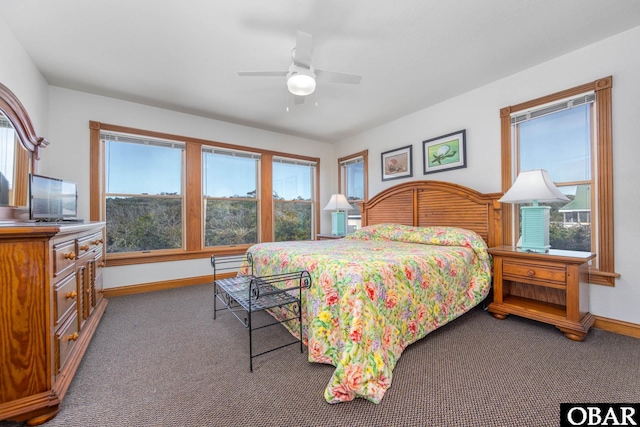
pixel 148 169
pixel 560 143
pixel 228 176
pixel 292 181
pixel 142 169
pixel 355 181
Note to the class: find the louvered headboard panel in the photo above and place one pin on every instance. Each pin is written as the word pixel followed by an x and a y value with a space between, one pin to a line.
pixel 437 203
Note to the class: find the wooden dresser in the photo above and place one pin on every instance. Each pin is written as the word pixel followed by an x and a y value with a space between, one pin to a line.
pixel 50 305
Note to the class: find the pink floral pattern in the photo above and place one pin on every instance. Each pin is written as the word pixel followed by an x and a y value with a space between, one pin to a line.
pixel 375 292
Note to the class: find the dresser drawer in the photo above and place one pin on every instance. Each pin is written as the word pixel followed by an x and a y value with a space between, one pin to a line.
pixel 89 244
pixel 525 272
pixel 65 340
pixel 65 298
pixel 64 257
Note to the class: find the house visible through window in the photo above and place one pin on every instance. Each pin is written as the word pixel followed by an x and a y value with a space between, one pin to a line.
pixel 558 138
pixel 569 134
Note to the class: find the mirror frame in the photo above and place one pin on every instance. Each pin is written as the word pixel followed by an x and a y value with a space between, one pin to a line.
pixel 18 116
pixel 15 112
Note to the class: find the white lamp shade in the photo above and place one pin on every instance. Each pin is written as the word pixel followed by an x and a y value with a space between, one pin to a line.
pixel 533 185
pixel 338 202
pixel 301 82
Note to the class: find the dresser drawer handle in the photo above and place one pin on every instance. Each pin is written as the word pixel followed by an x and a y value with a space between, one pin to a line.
pixel 70 255
pixel 71 295
pixel 84 247
pixel 72 337
pixel 531 273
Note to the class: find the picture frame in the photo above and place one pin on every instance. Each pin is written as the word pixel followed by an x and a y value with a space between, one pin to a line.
pixel 397 163
pixel 446 152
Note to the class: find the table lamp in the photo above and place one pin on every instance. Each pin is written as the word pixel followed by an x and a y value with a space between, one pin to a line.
pixel 534 186
pixel 338 203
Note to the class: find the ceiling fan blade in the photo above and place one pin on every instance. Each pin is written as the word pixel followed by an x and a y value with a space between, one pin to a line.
pixel 336 77
pixel 304 46
pixel 262 73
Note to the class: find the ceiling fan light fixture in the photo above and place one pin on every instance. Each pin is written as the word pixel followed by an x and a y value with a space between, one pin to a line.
pixel 301 82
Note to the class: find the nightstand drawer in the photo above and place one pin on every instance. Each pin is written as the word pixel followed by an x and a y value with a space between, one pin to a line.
pixel 525 272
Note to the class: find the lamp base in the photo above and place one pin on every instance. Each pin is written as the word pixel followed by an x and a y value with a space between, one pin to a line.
pixel 535 228
pixel 337 223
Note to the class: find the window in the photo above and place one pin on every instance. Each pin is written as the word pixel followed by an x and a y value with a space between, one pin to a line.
pixel 558 138
pixel 168 197
pixel 143 193
pixel 352 176
pixel 230 188
pixel 569 135
pixel 293 197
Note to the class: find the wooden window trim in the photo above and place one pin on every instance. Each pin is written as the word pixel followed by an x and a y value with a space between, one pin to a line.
pixel 194 221
pixel 605 273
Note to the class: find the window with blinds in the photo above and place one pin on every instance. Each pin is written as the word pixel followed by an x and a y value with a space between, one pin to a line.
pixel 143 194
pixel 559 138
pixel 352 175
pixel 294 197
pixel 168 197
pixel 230 195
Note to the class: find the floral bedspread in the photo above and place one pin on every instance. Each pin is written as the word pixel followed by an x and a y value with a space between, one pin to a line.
pixel 375 292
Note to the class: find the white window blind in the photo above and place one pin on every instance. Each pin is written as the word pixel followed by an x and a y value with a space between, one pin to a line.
pixel 143 140
pixel 552 108
pixel 232 153
pixel 352 161
pixel 298 162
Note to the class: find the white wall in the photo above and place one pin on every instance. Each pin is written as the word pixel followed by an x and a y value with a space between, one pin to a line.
pixel 20 75
pixel 478 112
pixel 68 158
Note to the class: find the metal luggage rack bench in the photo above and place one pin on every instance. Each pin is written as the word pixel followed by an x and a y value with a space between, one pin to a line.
pixel 243 295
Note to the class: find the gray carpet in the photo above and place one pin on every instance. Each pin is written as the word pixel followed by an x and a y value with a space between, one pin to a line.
pixel 159 359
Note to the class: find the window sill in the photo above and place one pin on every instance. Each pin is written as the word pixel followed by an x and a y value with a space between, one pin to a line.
pixel 604 278
pixel 133 258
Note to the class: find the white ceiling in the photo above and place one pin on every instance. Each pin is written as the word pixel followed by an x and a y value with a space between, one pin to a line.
pixel 185 55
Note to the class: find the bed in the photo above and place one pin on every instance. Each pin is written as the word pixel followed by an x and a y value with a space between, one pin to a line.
pixel 418 262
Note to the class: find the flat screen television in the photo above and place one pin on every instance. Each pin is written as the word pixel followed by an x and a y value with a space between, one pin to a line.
pixel 52 199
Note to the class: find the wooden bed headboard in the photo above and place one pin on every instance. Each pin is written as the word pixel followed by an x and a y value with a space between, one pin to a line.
pixel 437 203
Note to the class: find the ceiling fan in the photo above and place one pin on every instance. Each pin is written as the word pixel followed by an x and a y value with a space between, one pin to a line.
pixel 301 76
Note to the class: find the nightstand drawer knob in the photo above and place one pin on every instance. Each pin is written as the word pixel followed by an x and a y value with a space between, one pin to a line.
pixel 531 273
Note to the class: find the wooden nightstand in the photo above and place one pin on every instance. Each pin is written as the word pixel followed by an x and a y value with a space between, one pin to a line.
pixel 550 287
pixel 327 237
